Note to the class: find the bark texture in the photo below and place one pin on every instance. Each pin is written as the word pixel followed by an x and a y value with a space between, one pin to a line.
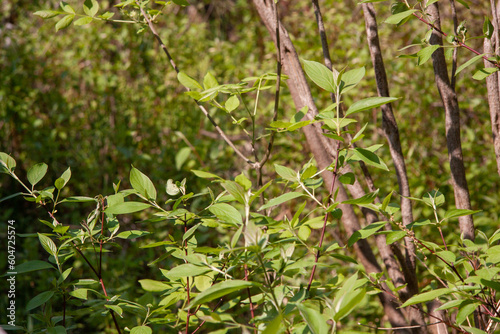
pixel 452 119
pixel 492 83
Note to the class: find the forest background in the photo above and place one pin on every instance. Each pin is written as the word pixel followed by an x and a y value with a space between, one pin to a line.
pixel 102 97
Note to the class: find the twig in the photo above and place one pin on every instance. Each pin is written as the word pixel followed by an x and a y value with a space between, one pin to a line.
pixel 202 108
pixel 276 95
pixel 456 40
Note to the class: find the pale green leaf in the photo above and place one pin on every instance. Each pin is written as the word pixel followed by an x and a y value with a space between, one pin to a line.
pixel 36 173
pixel 127 207
pixel 64 22
pixel 397 18
pixel 39 300
pixel 280 199
pixel 219 290
pixel 142 184
pixel 320 75
pixel 369 103
pixel 226 213
pixel 187 81
pixel 484 73
pixel 426 296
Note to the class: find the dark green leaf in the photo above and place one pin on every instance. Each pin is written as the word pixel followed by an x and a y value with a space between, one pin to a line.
pixel 185 270
pixel 39 300
pixel 453 213
pixel 47 244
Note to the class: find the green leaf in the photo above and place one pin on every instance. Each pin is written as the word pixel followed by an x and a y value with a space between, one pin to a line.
pixel 226 213
pixel 115 308
pixel 488 28
pixel 36 173
pixel 236 190
pixel 463 3
pixel 181 157
pixel 484 73
pixel 473 330
pixel 204 175
pixel 349 302
pixel 394 236
pixel 63 180
pixel 126 207
pixel 426 296
pixel 209 81
pixel 466 308
pixel 320 75
pixel 185 270
pixel 187 81
pixel 366 199
pixel 397 18
pixel 141 329
pixel 219 290
pixel 286 173
pixel 78 199
pixel 232 103
pixel 347 178
pixel 34 265
pixel 425 54
pixel 313 318
pixel 468 63
pixel 243 181
pixel 281 199
pixel 67 8
pixel 153 286
pixel 79 293
pixel 365 232
pixel 133 234
pixel 142 184
pixel 83 21
pixel 181 2
pixel 275 326
pixel 90 7
pixel 39 300
pixel 64 22
pixel 352 78
pixel 46 14
pixel 369 103
pixel 369 158
pixel 7 163
pixel 453 213
pixel 48 244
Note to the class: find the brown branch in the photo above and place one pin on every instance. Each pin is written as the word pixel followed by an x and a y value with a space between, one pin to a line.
pixel 452 120
pixel 436 27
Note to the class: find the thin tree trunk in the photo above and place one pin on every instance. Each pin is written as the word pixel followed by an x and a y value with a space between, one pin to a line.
pixel 322 148
pixel 452 112
pixel 492 84
pixel 391 132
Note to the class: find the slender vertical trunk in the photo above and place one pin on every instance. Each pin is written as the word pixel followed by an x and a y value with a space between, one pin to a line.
pixel 452 112
pixel 492 84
